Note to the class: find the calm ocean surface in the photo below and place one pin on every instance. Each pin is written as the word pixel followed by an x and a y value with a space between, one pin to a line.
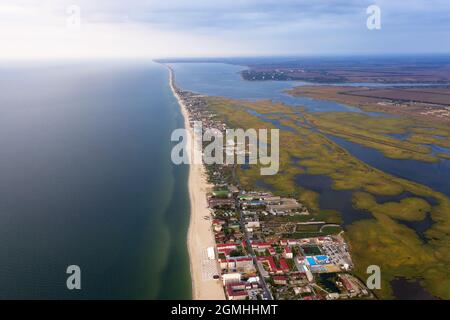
pixel 86 179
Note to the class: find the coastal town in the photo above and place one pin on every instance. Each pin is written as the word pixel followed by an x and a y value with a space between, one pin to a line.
pixel 267 247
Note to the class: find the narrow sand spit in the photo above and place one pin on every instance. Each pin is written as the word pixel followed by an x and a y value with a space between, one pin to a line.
pixel 200 234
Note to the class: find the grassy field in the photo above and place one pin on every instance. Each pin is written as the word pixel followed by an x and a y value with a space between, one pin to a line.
pixel 382 240
pixel 405 107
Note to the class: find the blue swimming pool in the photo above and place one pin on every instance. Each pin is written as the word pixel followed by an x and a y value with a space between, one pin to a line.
pixel 321 258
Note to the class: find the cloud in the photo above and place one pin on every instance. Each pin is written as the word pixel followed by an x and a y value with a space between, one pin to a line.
pixel 115 28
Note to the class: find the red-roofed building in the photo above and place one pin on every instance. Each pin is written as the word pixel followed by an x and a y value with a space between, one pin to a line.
pixel 347 284
pixel 236 291
pixel 280 279
pixel 283 265
pixel 218 222
pixel 270 262
pixel 288 253
pixel 261 245
pixel 226 252
pixel 220 237
pixel 226 246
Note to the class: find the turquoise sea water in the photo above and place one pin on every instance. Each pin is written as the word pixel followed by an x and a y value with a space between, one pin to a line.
pixel 86 179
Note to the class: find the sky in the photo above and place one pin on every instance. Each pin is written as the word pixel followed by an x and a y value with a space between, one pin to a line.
pixel 41 29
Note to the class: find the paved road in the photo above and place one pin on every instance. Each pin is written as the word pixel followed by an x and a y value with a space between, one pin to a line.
pixel 267 295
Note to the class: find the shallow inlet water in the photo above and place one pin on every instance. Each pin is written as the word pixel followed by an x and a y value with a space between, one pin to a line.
pixel 86 179
pixel 219 79
pixel 434 175
pixel 332 199
pixel 408 289
pixel 434 148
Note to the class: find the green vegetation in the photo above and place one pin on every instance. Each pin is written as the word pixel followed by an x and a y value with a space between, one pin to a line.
pixel 331 230
pixel 443 156
pixel 374 132
pixel 382 240
pixel 311 250
pixel 410 209
pixel 221 193
pixel 236 253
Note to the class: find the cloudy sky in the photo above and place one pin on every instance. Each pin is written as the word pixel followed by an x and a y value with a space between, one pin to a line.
pixel 168 28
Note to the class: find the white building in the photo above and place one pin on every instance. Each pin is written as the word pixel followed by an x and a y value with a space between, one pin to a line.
pixel 230 278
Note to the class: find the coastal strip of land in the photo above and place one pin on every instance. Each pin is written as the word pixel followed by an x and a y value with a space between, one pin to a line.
pixel 200 235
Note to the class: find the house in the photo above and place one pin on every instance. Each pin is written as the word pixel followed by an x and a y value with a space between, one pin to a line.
pixel 221 203
pixel 241 264
pixel 250 225
pixel 223 246
pixel 231 278
pixel 283 265
pixel 236 291
pixel 271 200
pixel 270 263
pixel 286 205
pixel 299 278
pixel 280 280
pixel 287 253
pixel 261 245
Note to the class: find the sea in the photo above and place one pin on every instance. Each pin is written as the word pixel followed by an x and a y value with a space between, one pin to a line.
pixel 86 179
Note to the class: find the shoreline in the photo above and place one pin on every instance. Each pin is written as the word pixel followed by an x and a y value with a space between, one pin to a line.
pixel 200 235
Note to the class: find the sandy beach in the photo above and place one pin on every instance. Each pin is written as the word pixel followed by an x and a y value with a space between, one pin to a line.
pixel 200 235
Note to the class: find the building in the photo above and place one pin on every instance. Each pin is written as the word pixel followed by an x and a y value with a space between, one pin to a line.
pixel 231 278
pixel 226 246
pixel 287 253
pixel 239 264
pixel 286 205
pixel 261 245
pixel 283 265
pixel 280 280
pixel 211 253
pixel 236 291
pixel 215 203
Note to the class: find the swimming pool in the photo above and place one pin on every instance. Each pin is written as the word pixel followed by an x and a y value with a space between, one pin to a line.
pixel 311 261
pixel 321 258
